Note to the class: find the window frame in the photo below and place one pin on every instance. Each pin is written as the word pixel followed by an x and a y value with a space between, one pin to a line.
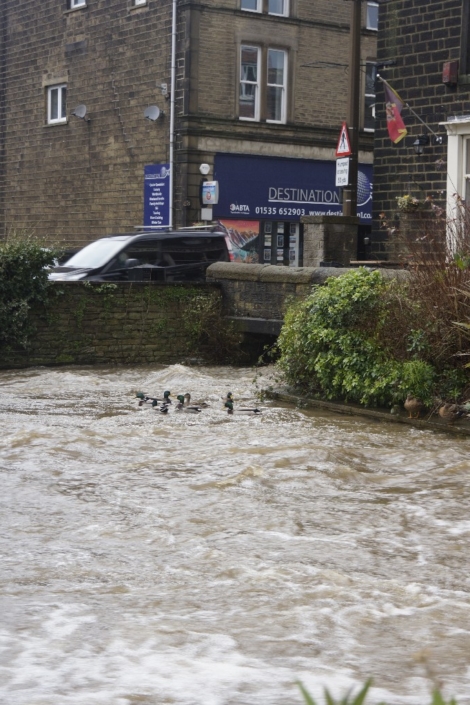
pixel 278 14
pixel 259 8
pixel 257 84
pixel 76 4
pixel 139 3
pixel 283 119
pixel 60 108
pixel 372 3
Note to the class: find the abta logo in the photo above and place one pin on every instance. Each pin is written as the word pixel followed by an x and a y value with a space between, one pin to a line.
pixel 235 208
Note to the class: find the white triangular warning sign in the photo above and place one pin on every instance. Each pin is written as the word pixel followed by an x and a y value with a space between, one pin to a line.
pixel 343 148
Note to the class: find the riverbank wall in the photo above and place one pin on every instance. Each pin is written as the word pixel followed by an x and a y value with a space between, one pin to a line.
pixel 135 323
pixel 240 307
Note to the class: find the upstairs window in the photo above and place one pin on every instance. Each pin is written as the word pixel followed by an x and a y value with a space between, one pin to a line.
pixel 276 94
pixel 272 7
pixel 249 83
pixel 278 7
pixel 372 16
pixel 251 5
pixel 56 104
pixel 263 84
pixel 77 3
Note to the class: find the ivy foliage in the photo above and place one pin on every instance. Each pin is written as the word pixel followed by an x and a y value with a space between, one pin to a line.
pixel 331 345
pixel 23 284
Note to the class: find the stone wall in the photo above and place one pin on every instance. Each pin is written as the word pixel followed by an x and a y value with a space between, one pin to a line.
pixel 259 294
pixel 108 323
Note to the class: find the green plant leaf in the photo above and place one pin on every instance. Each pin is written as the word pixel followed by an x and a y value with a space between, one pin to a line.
pixel 307 697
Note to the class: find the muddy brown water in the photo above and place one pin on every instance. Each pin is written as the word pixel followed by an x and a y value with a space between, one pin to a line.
pixel 208 560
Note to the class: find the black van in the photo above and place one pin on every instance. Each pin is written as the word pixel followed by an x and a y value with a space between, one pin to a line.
pixel 165 256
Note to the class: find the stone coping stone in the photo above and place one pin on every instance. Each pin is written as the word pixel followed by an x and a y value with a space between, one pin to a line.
pixel 294 275
pixel 235 270
pixel 429 423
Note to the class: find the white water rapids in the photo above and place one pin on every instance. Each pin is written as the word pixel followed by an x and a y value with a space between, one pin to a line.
pixel 215 560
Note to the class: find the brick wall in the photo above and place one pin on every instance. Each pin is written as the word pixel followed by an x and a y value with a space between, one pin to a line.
pixel 419 35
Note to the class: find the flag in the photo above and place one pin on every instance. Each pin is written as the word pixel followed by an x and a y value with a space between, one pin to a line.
pixel 393 107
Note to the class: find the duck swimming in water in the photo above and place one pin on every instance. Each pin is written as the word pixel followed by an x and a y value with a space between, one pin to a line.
pixel 199 404
pixel 184 405
pixel 165 401
pixel 245 411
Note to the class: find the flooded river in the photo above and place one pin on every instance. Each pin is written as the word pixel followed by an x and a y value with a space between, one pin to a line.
pixel 215 560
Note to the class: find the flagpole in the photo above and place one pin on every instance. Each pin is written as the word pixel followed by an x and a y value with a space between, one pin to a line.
pixel 350 193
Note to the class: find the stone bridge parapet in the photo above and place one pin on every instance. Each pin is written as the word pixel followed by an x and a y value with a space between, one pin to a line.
pixel 256 296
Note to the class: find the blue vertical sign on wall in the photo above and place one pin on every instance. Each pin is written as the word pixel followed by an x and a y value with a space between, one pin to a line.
pixel 157 195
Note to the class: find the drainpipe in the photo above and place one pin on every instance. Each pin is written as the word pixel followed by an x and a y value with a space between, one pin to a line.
pixel 172 108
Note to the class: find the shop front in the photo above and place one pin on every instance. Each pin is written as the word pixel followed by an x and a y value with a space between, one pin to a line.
pixel 262 201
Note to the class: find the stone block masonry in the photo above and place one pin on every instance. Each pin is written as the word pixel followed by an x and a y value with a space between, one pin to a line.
pixel 114 324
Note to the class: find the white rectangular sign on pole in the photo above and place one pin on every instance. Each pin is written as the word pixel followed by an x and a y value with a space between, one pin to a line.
pixel 342 172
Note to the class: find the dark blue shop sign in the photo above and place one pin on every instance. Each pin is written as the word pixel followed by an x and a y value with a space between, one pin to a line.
pixel 284 189
pixel 157 195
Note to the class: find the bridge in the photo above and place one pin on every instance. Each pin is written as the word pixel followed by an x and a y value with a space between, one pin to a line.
pixel 256 296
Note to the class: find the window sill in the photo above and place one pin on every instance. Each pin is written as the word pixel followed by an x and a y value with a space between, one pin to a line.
pixel 56 124
pixel 75 9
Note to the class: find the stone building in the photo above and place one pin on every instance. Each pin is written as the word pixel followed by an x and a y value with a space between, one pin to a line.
pixel 425 46
pixel 260 94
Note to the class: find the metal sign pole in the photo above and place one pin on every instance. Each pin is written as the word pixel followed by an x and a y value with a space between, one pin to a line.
pixel 350 193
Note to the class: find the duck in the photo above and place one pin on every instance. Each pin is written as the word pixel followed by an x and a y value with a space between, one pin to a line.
pixel 165 401
pixel 413 406
pixel 184 405
pixel 164 408
pixel 246 411
pixel 451 412
pixel 200 404
pixel 144 400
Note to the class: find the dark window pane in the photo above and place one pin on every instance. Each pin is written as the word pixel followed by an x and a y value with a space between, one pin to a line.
pixel 248 100
pixel 63 113
pixel 54 104
pixel 274 106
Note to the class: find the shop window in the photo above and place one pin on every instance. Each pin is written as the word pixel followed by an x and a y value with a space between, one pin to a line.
pixel 369 97
pixel 56 104
pixel 273 76
pixel 372 21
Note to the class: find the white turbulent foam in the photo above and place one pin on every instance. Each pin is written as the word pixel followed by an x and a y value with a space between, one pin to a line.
pixel 215 560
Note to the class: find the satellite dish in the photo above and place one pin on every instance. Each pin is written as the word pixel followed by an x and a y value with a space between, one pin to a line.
pixel 80 111
pixel 152 113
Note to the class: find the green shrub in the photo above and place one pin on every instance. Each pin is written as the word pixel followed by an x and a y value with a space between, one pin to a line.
pixel 330 345
pixel 23 283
